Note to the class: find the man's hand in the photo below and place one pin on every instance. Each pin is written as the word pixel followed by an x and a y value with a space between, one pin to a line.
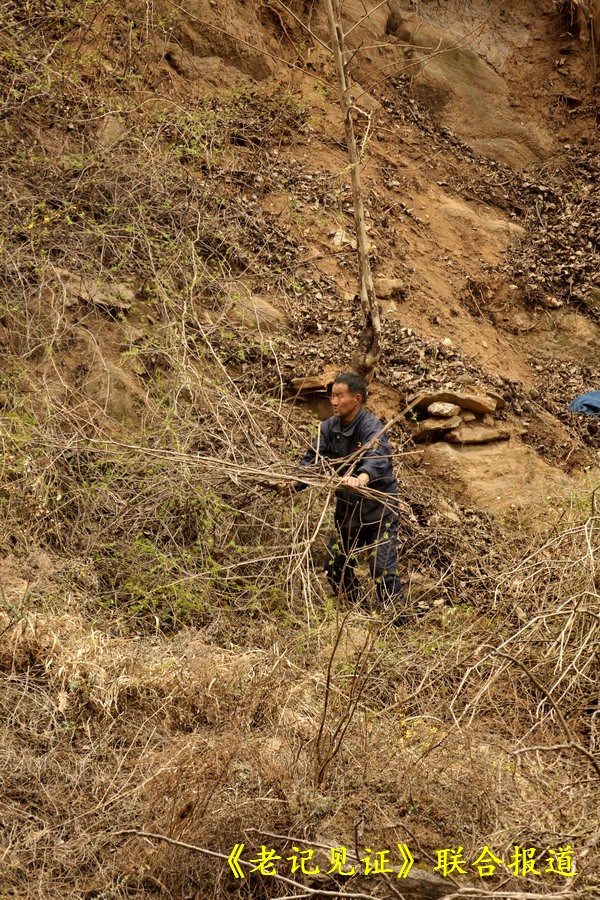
pixel 353 482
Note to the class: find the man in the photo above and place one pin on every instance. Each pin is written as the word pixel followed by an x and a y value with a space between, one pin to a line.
pixel 354 440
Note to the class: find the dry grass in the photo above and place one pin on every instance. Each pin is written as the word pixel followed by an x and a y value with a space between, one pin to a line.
pixel 429 736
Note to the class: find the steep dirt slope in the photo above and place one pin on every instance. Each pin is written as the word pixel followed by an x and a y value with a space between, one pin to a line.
pixel 455 103
pixel 470 118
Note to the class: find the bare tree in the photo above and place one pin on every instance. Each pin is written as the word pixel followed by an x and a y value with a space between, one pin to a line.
pixel 369 347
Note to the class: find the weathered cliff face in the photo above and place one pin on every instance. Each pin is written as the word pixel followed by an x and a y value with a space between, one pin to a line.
pixel 489 75
pixel 461 81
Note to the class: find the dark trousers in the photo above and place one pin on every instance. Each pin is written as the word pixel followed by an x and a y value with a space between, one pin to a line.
pixel 379 539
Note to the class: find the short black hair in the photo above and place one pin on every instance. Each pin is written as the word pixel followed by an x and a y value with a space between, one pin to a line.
pixel 354 383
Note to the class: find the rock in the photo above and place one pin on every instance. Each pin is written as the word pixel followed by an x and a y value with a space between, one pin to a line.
pixel 474 402
pixel 186 392
pixel 188 65
pixel 213 70
pixel 552 303
pixel 111 297
pixel 192 58
pixel 114 392
pixel 132 334
pixel 249 309
pixel 454 77
pixel 500 401
pixel 430 427
pixel 444 510
pixel 340 238
pixel 419 884
pixel 311 384
pixel 467 416
pixel 496 477
pixel 110 131
pixel 422 590
pixel 389 288
pixel 476 434
pixel 447 410
pixel 363 100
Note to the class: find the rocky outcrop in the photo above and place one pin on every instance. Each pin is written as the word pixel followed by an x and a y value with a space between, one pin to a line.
pixel 256 312
pixel 457 417
pixel 477 403
pixel 496 476
pixel 449 77
pixel 435 428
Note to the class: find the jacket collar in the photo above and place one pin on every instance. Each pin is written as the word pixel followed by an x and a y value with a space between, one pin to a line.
pixel 348 429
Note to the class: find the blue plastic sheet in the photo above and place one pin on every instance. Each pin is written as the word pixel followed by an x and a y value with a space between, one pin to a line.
pixel 586 403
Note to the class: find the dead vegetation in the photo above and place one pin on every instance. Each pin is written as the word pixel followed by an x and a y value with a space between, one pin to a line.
pixel 272 712
pixel 478 723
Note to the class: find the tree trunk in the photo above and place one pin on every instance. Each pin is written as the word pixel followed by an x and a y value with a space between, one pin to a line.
pixel 369 347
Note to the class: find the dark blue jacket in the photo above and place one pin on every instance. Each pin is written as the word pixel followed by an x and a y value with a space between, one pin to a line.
pixel 343 445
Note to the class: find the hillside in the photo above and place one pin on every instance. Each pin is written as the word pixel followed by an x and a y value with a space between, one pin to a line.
pixel 178 290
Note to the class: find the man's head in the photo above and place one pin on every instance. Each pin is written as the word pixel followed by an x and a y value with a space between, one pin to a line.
pixel 348 394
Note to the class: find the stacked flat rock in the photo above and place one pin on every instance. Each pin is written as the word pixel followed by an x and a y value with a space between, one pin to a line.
pixel 429 427
pixel 445 410
pixel 477 403
pixel 457 417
